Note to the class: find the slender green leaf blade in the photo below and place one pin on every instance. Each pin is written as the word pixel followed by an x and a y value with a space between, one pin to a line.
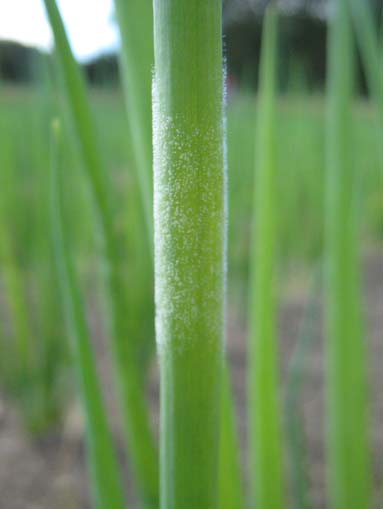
pixel 106 482
pixel 189 211
pixel 266 455
pixel 135 19
pixel 368 41
pixel 349 473
pixel 231 488
pixel 137 427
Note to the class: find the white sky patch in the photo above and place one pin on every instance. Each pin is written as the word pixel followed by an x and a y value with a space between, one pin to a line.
pixel 89 24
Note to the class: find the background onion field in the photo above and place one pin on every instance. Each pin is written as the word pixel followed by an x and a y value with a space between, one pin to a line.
pixel 79 375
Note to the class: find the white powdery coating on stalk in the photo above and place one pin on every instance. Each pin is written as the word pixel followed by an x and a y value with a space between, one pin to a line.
pixel 189 224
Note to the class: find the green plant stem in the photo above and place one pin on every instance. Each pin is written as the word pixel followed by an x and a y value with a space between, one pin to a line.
pixel 135 413
pixel 189 210
pixel 17 302
pixel 104 469
pixel 368 41
pixel 346 397
pixel 16 292
pixel 135 20
pixel 296 439
pixel 231 489
pixel 265 423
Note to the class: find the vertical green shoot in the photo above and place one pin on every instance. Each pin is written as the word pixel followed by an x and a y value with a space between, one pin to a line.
pixel 368 41
pixel 17 302
pixel 346 397
pixel 104 470
pixel 135 19
pixel 189 213
pixel 16 292
pixel 265 424
pixel 134 409
pixel 230 487
pixel 296 440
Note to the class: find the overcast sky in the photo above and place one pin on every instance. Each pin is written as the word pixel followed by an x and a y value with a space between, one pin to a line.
pixel 89 24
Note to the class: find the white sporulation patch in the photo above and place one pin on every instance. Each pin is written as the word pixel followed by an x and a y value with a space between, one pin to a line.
pixel 190 213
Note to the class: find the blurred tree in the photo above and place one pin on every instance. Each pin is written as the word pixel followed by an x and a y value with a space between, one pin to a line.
pixel 303 43
pixel 16 61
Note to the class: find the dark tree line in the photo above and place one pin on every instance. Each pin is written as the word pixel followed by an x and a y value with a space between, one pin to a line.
pixel 23 64
pixel 302 47
pixel 303 37
pixel 17 61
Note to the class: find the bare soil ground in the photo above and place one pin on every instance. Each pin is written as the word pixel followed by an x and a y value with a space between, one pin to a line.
pixel 50 473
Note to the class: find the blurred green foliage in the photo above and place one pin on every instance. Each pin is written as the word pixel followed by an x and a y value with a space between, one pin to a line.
pixel 300 178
